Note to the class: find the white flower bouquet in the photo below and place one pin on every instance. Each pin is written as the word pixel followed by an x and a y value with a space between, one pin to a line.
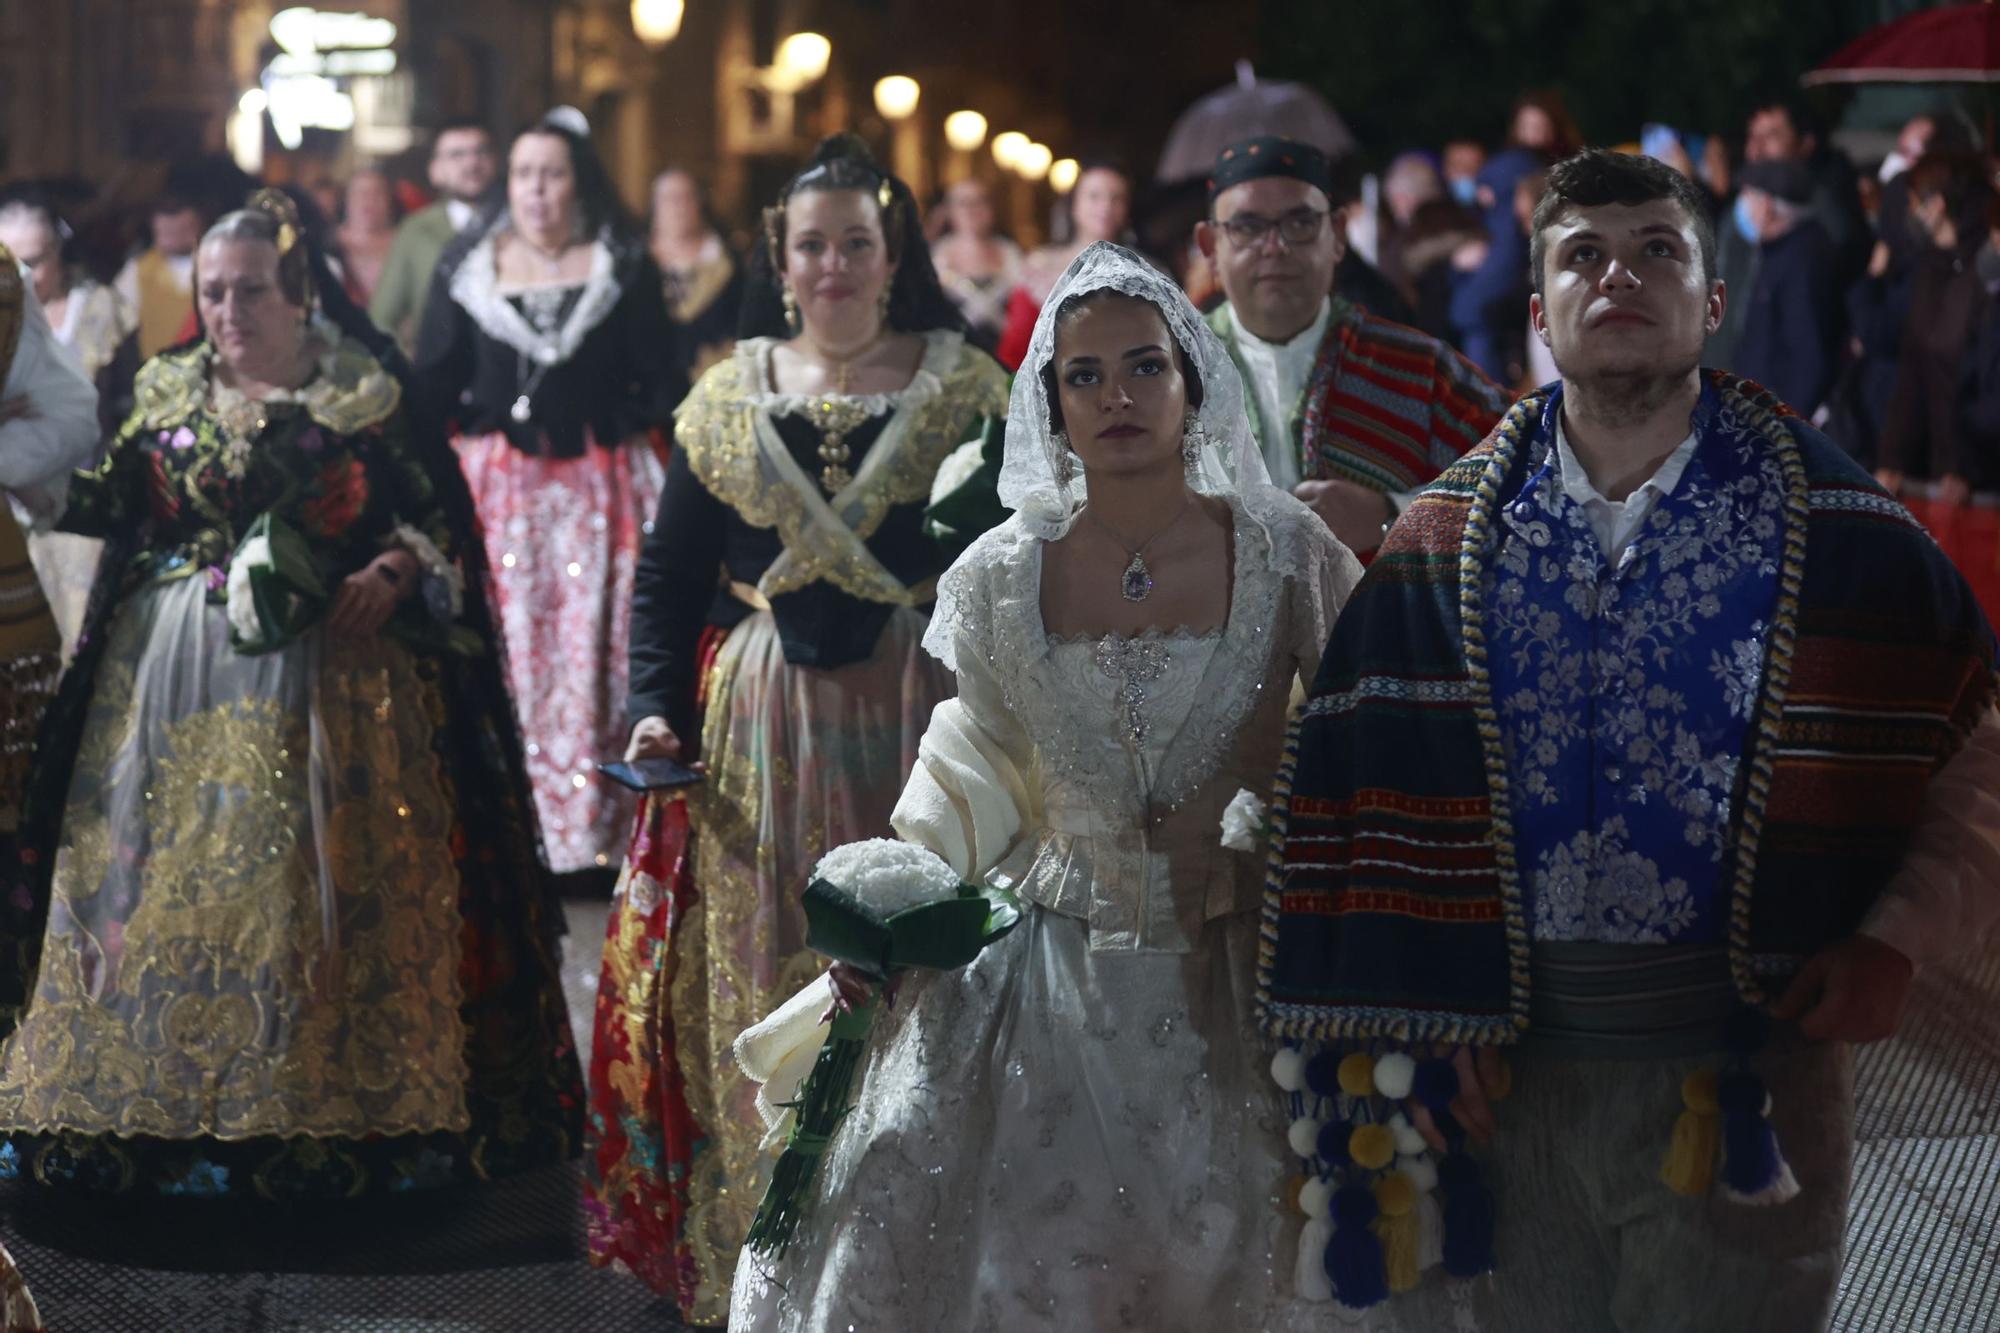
pixel 881 907
pixel 273 591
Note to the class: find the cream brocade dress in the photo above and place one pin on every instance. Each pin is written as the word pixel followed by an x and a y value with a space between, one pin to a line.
pixel 1078 1130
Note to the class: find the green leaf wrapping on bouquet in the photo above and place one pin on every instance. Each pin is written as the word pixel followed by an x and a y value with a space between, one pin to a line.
pixel 957 519
pixel 939 935
pixel 273 591
pixel 821 1106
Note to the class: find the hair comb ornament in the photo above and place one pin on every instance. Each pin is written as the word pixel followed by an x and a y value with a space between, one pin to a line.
pixel 279 207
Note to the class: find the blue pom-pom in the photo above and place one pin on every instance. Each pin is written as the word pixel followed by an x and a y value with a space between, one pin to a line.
pixel 1739 1090
pixel 1323 1073
pixel 1333 1137
pixel 1436 1084
pixel 1468 1217
pixel 1354 1260
pixel 1355 1206
pixel 1751 1161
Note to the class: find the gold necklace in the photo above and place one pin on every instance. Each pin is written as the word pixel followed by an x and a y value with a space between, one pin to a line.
pixel 838 415
pixel 1136 582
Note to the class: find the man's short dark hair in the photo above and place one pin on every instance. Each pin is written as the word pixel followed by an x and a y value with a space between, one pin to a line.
pixel 1805 121
pixel 1596 176
pixel 461 125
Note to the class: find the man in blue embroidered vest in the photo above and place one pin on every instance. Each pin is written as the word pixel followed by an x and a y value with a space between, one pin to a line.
pixel 1658 738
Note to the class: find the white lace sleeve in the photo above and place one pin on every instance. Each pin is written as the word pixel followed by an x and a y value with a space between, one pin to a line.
pixel 41 448
pixel 1320 572
pixel 968 798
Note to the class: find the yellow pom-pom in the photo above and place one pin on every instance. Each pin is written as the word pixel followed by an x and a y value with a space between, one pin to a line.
pixel 1372 1147
pixel 1357 1075
pixel 1698 1092
pixel 1399 1230
pixel 1395 1195
pixel 1689 1168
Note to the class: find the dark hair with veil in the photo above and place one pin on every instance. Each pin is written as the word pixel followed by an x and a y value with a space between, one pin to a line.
pixel 917 301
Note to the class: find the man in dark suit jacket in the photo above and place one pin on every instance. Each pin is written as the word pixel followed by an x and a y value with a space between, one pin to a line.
pixel 1792 322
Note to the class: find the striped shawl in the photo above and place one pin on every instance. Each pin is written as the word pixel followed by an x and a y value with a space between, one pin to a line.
pixel 1386 405
pixel 1393 903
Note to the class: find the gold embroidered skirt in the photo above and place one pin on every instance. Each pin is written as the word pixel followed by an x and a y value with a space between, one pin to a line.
pixel 800 761
pixel 254 926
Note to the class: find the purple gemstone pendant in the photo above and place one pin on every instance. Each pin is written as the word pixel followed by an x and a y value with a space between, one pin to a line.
pixel 1138 581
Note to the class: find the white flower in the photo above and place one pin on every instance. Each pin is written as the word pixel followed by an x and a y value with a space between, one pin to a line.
pixel 958 468
pixel 888 876
pixel 1243 822
pixel 252 555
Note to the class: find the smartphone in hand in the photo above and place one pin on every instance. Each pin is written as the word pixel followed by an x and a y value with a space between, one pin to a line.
pixel 651 774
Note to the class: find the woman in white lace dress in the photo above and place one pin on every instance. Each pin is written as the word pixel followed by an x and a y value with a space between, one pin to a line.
pixel 1078 1131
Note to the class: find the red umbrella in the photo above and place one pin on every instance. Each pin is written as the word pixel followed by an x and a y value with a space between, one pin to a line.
pixel 1954 44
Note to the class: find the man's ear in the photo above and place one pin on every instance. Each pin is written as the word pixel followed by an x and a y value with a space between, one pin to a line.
pixel 1718 302
pixel 1538 318
pixel 1204 239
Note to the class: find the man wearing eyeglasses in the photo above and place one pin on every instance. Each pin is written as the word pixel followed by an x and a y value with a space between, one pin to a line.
pixel 1354 413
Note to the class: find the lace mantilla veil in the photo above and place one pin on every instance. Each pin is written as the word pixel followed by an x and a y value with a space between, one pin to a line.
pixel 1045 506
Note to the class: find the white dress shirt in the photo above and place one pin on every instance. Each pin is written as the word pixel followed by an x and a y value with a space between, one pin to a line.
pixel 1617 522
pixel 1278 373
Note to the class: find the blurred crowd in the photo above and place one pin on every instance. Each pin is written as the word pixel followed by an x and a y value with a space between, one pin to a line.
pixel 1859 291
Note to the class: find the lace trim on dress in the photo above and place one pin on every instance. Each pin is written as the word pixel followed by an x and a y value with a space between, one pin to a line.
pixel 1151 634
pixel 476 287
pixel 940 354
pixel 348 392
pixel 992 597
pixel 731 446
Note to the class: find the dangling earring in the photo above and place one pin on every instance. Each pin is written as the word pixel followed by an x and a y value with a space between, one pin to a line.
pixel 791 308
pixel 1065 461
pixel 882 303
pixel 1193 440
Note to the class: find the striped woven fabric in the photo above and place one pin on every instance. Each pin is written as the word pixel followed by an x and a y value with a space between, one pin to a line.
pixel 1391 407
pixel 1393 904
pixel 1386 405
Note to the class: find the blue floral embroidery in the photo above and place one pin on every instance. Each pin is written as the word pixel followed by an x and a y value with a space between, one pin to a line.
pixel 202 1179
pixel 1626 692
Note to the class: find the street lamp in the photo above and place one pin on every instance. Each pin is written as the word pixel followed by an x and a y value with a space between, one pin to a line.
pixel 965 130
pixel 896 96
pixel 802 58
pixel 1033 162
pixel 657 22
pixel 1007 147
pixel 1062 174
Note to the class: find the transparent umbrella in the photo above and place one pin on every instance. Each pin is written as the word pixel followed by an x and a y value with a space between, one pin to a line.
pixel 1250 106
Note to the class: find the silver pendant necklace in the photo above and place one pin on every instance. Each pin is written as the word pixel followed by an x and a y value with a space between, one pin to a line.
pixel 1136 582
